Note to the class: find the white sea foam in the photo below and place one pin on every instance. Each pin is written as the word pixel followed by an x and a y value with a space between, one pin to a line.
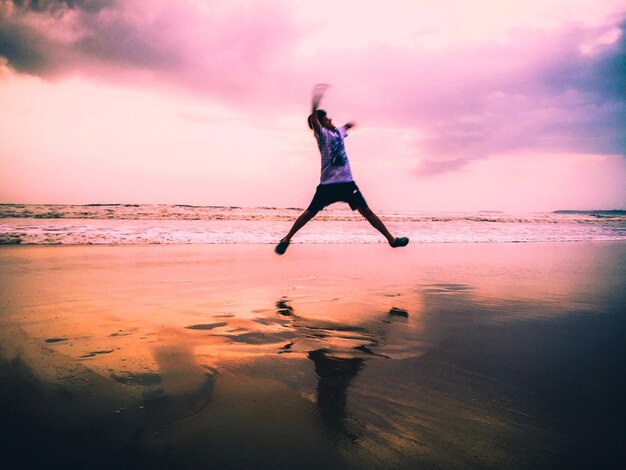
pixel 155 224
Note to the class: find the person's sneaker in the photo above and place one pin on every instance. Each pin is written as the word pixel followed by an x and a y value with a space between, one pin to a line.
pixel 281 248
pixel 400 241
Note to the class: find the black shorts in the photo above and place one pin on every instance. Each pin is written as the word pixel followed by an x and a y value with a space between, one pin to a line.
pixel 327 194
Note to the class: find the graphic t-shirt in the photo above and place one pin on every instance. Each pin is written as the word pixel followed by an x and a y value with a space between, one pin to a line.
pixel 335 165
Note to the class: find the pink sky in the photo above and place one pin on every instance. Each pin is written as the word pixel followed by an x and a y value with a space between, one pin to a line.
pixel 482 105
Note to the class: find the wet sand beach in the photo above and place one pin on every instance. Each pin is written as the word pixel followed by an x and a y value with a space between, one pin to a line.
pixel 333 356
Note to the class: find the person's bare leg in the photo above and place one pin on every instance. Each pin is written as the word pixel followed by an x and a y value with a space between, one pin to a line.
pixel 378 224
pixel 298 224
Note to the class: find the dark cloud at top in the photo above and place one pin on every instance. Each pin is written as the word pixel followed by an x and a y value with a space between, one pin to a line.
pixel 211 50
pixel 21 47
pixel 58 6
pixel 29 46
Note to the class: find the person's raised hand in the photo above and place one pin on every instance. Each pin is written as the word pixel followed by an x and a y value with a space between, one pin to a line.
pixel 318 92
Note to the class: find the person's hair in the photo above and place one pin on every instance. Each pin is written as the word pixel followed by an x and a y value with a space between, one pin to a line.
pixel 321 114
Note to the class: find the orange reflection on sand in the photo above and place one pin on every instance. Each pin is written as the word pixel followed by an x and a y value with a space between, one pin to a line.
pixel 110 309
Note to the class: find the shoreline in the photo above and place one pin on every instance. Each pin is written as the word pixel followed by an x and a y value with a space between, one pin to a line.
pixel 266 227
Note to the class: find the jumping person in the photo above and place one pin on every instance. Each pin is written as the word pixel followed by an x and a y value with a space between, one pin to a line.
pixel 336 183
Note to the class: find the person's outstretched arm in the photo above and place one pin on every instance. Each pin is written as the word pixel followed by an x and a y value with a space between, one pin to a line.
pixel 318 93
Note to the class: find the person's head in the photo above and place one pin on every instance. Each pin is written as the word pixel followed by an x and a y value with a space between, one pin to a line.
pixel 322 117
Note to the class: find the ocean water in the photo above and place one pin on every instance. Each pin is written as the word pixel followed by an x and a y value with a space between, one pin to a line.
pixel 132 224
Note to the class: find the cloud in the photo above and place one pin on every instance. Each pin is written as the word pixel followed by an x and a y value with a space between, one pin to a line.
pixel 213 48
pixel 558 90
pixel 541 91
pixel 56 7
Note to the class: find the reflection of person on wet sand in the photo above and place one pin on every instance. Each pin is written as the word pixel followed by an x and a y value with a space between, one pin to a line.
pixel 336 183
pixel 334 377
pixel 335 372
